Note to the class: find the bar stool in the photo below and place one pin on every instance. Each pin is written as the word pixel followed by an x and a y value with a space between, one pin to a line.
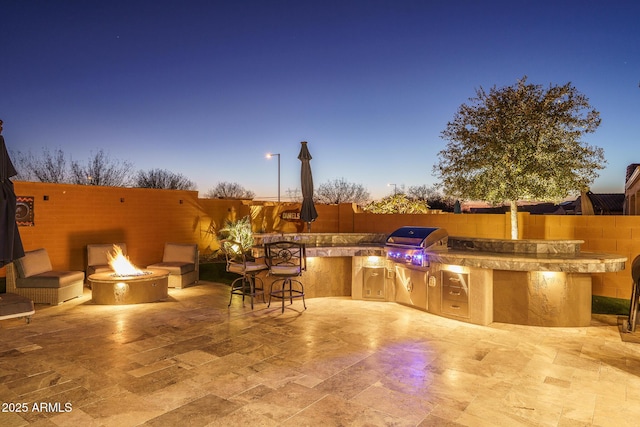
pixel 286 261
pixel 238 263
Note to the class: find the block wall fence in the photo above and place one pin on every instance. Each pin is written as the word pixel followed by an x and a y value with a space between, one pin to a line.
pixel 68 217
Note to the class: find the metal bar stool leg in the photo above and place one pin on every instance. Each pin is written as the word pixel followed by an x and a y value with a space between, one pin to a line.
pixel 284 285
pixel 273 284
pixel 233 284
pixel 254 290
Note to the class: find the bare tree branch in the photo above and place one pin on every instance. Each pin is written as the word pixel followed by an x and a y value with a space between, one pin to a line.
pixel 341 191
pixel 163 179
pixel 229 190
pixel 101 170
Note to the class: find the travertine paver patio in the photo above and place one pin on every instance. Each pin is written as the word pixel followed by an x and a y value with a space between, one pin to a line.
pixel 192 361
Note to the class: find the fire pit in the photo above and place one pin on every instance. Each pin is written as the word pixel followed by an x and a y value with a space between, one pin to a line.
pixel 109 288
pixel 127 284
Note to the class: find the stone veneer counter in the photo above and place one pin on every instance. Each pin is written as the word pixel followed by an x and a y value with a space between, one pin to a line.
pixel 535 282
pixel 329 244
pixel 528 282
pixel 493 254
pixel 330 258
pixel 324 239
pixel 523 246
pixel 568 263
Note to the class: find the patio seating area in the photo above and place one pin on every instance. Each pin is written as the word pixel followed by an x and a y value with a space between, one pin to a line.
pixel 191 360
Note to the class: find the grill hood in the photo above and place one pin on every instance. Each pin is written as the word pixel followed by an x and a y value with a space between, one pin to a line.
pixel 408 245
pixel 417 237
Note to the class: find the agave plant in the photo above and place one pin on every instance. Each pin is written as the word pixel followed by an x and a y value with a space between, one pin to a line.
pixel 238 231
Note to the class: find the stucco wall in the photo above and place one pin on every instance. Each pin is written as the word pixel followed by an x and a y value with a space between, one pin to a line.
pixel 68 217
pixel 74 216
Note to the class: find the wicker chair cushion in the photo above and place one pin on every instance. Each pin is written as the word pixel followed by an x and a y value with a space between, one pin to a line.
pixel 33 262
pixel 97 253
pixel 175 252
pixel 12 305
pixel 174 267
pixel 50 279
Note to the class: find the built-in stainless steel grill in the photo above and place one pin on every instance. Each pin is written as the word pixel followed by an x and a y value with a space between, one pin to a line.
pixel 408 245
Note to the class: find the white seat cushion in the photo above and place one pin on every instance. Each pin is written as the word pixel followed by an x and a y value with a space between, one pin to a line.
pixel 251 267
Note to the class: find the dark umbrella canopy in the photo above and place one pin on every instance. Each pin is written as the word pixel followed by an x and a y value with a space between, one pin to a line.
pixel 10 243
pixel 308 212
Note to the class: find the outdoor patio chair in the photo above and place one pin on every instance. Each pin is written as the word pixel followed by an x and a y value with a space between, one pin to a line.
pixel 286 261
pixel 182 263
pixel 248 271
pixel 33 277
pixel 98 257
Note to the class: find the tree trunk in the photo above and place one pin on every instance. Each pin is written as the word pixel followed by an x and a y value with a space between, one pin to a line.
pixel 514 219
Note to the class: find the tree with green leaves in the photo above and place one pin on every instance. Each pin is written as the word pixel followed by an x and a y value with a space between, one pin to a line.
pixel 434 198
pixel 520 143
pixel 397 203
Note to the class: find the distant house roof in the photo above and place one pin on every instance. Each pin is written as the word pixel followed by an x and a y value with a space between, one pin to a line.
pixel 533 209
pixel 630 170
pixel 603 203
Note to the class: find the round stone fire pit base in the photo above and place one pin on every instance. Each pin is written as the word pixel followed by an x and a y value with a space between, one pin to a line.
pixel 109 289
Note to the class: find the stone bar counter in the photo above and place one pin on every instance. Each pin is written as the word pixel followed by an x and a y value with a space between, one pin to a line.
pixel 535 282
pixel 528 282
pixel 331 244
pixel 333 260
pixel 528 255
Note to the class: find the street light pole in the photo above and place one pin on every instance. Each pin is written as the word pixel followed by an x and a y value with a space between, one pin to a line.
pixel 270 155
pixel 395 188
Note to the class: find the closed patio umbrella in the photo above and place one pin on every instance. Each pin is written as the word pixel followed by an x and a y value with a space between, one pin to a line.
pixel 10 242
pixel 308 212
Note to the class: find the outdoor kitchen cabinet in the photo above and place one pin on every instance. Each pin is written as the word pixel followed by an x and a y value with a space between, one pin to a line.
pixel 462 295
pixel 455 293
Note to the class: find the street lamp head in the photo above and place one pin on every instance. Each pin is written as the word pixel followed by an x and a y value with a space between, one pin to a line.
pixel 270 155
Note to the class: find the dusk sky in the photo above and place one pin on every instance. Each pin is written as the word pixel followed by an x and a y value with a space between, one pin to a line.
pixel 208 88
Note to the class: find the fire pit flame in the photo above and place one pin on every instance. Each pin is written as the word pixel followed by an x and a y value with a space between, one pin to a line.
pixel 122 266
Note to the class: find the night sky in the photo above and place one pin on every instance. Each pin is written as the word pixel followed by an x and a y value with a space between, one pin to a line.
pixel 208 88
